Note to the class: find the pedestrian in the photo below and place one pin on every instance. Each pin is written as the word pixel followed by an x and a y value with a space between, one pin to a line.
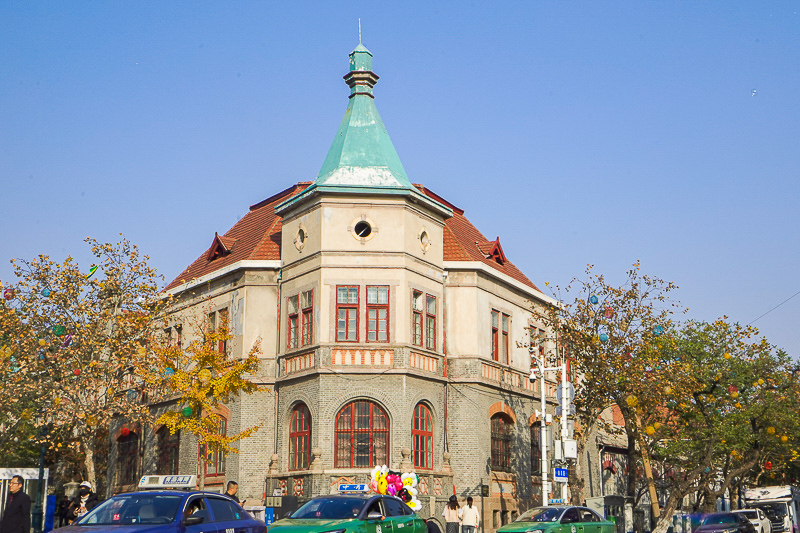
pixel 63 508
pixel 231 491
pixel 470 519
pixel 452 515
pixel 17 515
pixel 85 501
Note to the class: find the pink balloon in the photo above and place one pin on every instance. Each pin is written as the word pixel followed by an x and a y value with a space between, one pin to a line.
pixel 374 486
pixel 398 484
pixel 392 490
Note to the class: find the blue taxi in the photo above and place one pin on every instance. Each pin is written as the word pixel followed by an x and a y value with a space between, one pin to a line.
pixel 164 508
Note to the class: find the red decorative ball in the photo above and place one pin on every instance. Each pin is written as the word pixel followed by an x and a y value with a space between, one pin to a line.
pixel 768 465
pixel 125 432
pixel 77 371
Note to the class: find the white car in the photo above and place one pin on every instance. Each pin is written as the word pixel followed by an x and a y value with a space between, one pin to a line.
pixel 757 518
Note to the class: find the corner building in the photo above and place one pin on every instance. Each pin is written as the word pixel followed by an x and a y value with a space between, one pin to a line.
pixel 389 329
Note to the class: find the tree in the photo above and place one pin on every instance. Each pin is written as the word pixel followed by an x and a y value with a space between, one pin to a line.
pixel 204 375
pixel 612 335
pixel 75 343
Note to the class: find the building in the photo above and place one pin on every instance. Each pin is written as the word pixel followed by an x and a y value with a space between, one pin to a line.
pixel 390 332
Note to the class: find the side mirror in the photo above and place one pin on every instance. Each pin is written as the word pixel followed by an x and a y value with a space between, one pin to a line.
pixel 374 515
pixel 193 520
pixel 288 514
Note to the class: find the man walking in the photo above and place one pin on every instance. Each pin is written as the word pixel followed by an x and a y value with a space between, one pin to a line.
pixel 17 516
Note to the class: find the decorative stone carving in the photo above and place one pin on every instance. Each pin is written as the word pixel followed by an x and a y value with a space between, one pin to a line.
pixel 446 468
pixel 405 463
pixel 273 463
pixel 316 463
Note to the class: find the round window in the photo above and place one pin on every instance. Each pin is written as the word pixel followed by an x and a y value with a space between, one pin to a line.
pixel 363 229
pixel 424 239
pixel 300 238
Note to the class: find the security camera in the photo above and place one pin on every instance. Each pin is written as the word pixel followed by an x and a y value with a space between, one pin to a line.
pixel 532 377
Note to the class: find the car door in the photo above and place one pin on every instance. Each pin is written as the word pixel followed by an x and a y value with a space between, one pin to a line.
pixel 400 516
pixel 197 506
pixel 377 525
pixel 590 520
pixel 229 517
pixel 571 521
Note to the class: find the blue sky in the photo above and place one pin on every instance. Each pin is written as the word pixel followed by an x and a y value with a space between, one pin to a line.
pixel 579 132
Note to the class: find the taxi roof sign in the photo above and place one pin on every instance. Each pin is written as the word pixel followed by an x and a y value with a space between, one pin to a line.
pixel 168 482
pixel 353 488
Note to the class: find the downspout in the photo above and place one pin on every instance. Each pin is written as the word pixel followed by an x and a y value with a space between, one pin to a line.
pixel 444 352
pixel 277 359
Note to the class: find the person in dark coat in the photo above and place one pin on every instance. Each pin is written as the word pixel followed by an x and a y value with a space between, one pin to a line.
pixel 17 515
pixel 63 508
pixel 85 501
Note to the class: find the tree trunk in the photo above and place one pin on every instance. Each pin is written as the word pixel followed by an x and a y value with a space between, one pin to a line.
pixel 88 461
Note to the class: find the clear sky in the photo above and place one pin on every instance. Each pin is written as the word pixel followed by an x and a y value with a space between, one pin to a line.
pixel 577 131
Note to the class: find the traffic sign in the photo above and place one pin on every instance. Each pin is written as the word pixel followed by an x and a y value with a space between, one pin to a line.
pixel 561 475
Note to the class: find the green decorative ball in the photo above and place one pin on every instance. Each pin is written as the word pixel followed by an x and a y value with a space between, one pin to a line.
pixel 186 411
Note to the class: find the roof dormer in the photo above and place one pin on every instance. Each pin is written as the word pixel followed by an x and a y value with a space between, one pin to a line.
pixel 220 247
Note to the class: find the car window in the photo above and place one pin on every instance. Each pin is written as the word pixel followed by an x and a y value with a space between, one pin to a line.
pixel 749 514
pixel 134 509
pixel 225 510
pixel 570 516
pixel 587 515
pixel 330 508
pixel 375 508
pixel 197 507
pixel 541 514
pixel 393 507
pixel 722 518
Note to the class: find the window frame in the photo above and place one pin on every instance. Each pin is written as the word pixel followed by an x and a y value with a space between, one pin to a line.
pixel 430 322
pixel 495 338
pixel 348 307
pixel 219 456
pixel 307 320
pixel 417 321
pixel 500 455
pixel 536 449
pixel 349 433
pixel 215 320
pixel 128 459
pixel 292 322
pixel 300 457
pixel 167 464
pixel 422 435
pixel 505 325
pixel 377 308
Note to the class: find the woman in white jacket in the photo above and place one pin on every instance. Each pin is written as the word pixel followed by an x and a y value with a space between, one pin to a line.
pixel 452 515
pixel 469 517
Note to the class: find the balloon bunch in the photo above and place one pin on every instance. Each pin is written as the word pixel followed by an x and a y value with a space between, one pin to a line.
pixel 404 486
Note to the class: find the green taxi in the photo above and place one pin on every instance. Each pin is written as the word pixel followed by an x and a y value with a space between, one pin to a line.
pixel 559 519
pixel 351 511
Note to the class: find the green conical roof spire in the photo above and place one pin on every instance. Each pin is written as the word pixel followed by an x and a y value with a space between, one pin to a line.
pixel 362 154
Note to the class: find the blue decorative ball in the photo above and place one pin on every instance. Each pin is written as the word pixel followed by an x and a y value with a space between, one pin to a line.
pixel 603 337
pixel 593 299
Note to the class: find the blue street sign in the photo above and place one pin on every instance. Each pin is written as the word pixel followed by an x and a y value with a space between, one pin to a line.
pixel 561 475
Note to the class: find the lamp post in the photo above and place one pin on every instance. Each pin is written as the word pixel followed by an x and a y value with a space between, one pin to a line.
pixel 37 512
pixel 541 369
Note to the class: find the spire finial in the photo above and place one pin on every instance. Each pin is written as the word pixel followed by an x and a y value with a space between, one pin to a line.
pixel 359 30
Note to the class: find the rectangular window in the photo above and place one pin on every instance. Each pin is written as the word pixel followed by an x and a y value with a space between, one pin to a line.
pixel 416 323
pixel 346 314
pixel 504 340
pixel 291 330
pixel 430 322
pixel 377 314
pixel 495 339
pixel 218 323
pixel 307 308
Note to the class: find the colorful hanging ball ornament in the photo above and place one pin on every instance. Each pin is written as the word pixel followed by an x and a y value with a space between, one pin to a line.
pixel 727 355
pixel 125 432
pixel 603 337
pixel 169 372
pixel 91 271
pixel 46 292
pixel 593 299
pixel 735 394
pixel 91 420
pixel 658 330
pixel 67 341
pixel 42 342
pixel 657 425
pixel 650 430
pixel 760 381
pixel 732 389
pixel 141 350
pixel 738 405
pixel 77 371
pixel 186 411
pixel 204 376
pixel 784 438
pixel 59 330
pixel 632 401
pixel 768 465
pixel 771 430
pixel 608 312
pixel 9 294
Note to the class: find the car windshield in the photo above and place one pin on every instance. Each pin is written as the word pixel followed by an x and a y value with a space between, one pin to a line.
pixel 774 511
pixel 752 515
pixel 134 509
pixel 330 508
pixel 720 518
pixel 541 514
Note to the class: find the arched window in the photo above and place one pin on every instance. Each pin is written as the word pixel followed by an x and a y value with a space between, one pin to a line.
pixel 422 437
pixel 128 459
pixel 168 446
pixel 362 435
pixel 299 438
pixel 501 442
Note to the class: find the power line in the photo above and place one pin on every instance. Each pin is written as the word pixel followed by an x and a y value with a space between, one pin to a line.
pixel 777 306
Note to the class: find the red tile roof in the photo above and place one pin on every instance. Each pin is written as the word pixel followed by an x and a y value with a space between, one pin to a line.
pixel 257 236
